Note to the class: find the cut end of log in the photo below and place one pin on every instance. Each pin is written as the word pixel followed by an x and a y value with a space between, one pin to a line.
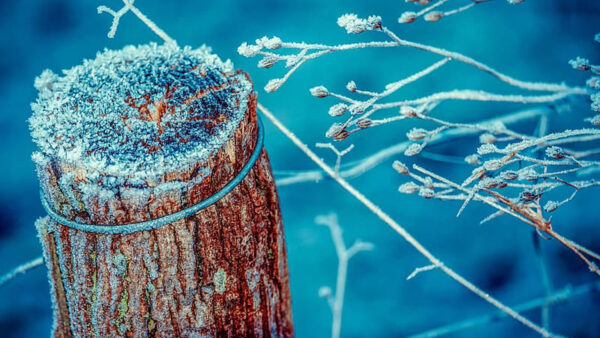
pixel 139 112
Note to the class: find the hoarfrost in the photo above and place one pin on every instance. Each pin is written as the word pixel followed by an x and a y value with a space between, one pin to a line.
pixel 139 112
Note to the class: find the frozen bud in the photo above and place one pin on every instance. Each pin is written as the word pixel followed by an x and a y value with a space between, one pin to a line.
pixel 595 101
pixel 473 159
pixel 428 183
pixel 485 149
pixel 319 91
pixel 413 149
pixel 509 175
pixel 594 120
pixel 580 63
pixel 268 61
pixel 408 111
pixel 335 129
pixel 527 196
pixel 338 109
pixel 494 164
pixel 551 206
pixel 555 152
pixel 324 292
pixel 248 50
pixel 351 86
pixel 374 21
pixel 528 174
pixel 492 182
pixel 364 123
pixel 407 17
pixel 273 85
pixel 353 24
pixel 433 16
pixel 356 108
pixel 514 2
pixel 426 192
pixel 487 138
pixel 400 167
pixel 593 82
pixel 408 188
pixel 341 135
pixel 416 134
pixel 270 43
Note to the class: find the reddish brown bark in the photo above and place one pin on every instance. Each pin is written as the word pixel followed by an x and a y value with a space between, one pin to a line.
pixel 219 272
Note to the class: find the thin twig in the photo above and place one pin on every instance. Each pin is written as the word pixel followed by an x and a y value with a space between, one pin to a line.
pixel 344 254
pixel 362 166
pixel 555 298
pixel 21 269
pixel 396 227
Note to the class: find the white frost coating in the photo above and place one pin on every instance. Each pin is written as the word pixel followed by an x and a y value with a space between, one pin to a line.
pixel 139 112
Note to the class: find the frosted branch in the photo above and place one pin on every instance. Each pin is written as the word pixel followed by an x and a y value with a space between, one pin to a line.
pixel 421 269
pixel 128 6
pixel 396 227
pixel 344 254
pixel 21 269
pixel 357 168
pixel 557 297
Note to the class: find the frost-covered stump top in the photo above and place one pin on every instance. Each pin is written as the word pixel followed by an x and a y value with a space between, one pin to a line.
pixel 133 124
pixel 139 112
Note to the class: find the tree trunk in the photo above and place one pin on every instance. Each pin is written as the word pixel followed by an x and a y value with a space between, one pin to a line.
pixel 219 272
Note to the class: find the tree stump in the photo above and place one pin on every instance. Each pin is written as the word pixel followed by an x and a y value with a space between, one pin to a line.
pixel 137 134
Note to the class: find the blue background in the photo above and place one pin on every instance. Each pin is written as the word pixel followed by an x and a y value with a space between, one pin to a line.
pixel 532 41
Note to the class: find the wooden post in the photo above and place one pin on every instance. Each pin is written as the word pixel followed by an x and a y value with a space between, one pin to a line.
pixel 138 134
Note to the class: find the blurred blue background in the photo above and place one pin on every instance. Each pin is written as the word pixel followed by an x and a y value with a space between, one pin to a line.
pixel 532 41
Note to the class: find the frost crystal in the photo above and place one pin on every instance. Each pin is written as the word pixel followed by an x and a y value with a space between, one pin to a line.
pixel 139 112
pixel 353 24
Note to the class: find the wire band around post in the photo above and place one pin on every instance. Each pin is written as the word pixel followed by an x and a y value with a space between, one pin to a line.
pixel 130 228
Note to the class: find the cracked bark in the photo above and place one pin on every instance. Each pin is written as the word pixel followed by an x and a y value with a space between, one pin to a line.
pixel 219 272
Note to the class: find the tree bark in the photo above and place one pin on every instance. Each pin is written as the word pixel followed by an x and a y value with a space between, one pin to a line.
pixel 219 272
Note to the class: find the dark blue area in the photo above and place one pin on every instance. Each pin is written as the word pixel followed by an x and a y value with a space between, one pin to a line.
pixel 532 41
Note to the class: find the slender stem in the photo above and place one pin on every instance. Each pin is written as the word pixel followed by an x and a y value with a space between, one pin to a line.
pixel 475 95
pixel 23 268
pixel 362 166
pixel 538 86
pixel 557 297
pixel 149 23
pixel 340 289
pixel 396 227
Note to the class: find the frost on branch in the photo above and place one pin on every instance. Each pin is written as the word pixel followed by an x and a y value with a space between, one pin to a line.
pixel 354 25
pixel 513 169
pixel 344 254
